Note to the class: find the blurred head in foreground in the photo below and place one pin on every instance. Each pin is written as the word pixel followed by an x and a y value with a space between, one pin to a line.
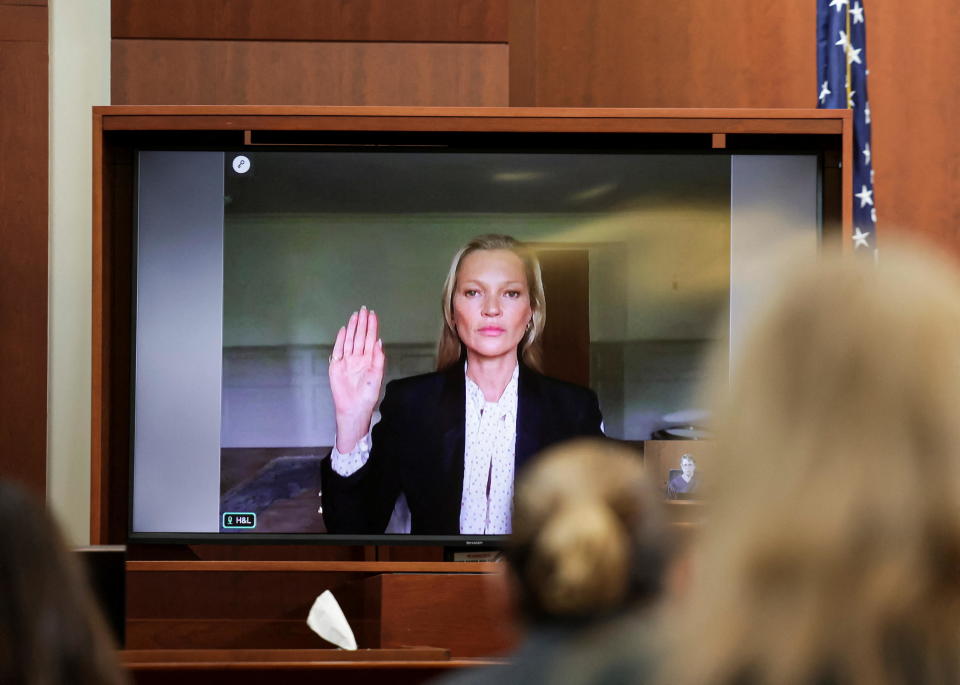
pixel 51 631
pixel 587 537
pixel 832 552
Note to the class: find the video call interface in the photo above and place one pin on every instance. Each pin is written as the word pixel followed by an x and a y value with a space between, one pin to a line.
pixel 248 263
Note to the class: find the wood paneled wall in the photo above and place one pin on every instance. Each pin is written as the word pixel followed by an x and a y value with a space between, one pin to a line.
pixel 274 72
pixel 310 52
pixel 915 107
pixel 695 53
pixel 23 241
pixel 403 21
pixel 727 53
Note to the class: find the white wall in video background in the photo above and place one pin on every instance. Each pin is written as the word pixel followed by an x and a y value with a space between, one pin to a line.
pixel 658 280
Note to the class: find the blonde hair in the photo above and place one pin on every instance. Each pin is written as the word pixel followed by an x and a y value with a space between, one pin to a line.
pixel 833 545
pixel 450 349
pixel 586 531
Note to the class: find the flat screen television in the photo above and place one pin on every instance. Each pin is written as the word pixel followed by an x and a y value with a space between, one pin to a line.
pixel 247 261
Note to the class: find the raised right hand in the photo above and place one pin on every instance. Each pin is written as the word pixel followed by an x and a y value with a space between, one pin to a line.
pixel 356 374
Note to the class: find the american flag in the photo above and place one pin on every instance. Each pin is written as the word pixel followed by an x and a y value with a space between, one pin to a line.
pixel 842 78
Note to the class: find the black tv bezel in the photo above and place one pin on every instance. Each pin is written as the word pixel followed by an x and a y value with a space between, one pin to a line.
pixel 679 144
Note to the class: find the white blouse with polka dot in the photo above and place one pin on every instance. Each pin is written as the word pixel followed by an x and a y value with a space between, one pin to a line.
pixel 488 459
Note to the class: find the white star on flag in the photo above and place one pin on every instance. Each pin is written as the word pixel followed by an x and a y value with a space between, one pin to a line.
pixel 860 239
pixel 866 112
pixel 853 55
pixel 824 92
pixel 866 154
pixel 873 214
pixel 871 177
pixel 844 42
pixel 839 4
pixel 857 13
pixel 850 99
pixel 865 195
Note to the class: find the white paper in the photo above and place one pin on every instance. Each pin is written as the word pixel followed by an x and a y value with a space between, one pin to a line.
pixel 326 619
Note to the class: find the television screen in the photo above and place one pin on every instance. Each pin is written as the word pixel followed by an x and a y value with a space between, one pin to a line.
pixel 249 262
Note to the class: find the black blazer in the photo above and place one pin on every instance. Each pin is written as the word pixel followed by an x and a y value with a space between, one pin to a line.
pixel 418 449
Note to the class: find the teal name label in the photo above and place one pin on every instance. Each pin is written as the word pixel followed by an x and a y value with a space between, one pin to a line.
pixel 241 519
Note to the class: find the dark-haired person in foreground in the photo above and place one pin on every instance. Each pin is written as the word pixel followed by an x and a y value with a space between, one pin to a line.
pixel 51 631
pixel 831 553
pixel 586 563
pixel 443 456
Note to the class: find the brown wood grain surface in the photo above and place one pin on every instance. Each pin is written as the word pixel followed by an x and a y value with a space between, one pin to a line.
pixel 523 53
pixel 349 673
pixel 296 673
pixel 697 53
pixel 150 552
pixel 221 633
pixel 265 606
pixel 502 124
pixel 915 108
pixel 227 608
pixel 468 614
pixel 291 118
pixel 100 455
pixel 230 112
pixel 23 23
pixel 308 73
pixel 112 266
pixel 314 566
pixel 176 595
pixel 451 21
pixel 248 656
pixel 23 245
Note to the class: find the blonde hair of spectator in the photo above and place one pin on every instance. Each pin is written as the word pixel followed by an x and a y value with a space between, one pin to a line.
pixel 584 517
pixel 833 543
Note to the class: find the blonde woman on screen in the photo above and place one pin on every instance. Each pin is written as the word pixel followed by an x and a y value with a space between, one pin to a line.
pixel 832 552
pixel 448 443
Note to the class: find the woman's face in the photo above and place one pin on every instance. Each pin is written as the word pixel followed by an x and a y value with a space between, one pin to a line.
pixel 688 467
pixel 491 304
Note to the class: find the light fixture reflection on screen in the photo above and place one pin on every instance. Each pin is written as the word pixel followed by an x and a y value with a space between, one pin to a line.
pixel 594 192
pixel 511 176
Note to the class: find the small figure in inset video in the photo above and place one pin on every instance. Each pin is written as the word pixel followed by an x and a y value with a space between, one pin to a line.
pixel 683 483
